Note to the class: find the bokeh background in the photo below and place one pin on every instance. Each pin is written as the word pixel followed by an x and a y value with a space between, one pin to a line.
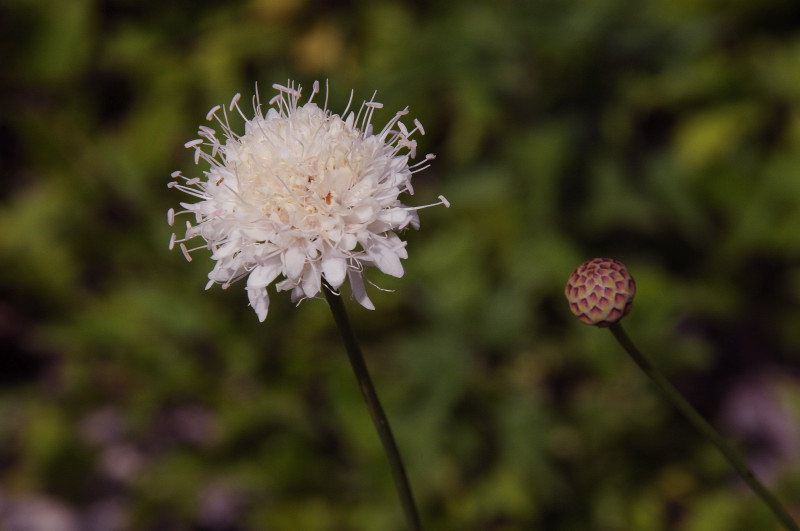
pixel 663 133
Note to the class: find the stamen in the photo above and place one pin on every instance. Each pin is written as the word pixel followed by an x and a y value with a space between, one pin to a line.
pixel 419 165
pixel 385 290
pixel 235 104
pixel 442 201
pixel 186 253
pixel 257 97
pixel 191 191
pixel 212 112
pixel 344 113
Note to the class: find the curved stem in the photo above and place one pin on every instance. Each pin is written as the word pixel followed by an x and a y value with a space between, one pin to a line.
pixel 374 407
pixel 691 414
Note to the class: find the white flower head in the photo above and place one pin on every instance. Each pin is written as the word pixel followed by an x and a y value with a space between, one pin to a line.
pixel 303 194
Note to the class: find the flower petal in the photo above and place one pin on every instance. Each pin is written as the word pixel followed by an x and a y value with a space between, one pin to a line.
pixel 395 217
pixel 297 294
pixel 259 300
pixel 293 260
pixel 363 211
pixel 386 259
pixel 334 269
pixel 263 275
pixel 311 282
pixel 348 242
pixel 357 287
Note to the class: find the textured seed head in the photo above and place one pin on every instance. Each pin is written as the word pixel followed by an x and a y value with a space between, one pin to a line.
pixel 600 292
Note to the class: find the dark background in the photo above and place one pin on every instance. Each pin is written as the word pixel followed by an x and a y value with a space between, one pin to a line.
pixel 665 134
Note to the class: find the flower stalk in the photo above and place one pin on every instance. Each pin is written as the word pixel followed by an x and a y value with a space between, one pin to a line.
pixel 374 406
pixel 600 292
pixel 700 424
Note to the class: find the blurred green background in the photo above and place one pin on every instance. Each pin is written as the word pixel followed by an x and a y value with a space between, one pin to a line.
pixel 663 133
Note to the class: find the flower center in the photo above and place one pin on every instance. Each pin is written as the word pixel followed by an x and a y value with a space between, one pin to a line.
pixel 297 169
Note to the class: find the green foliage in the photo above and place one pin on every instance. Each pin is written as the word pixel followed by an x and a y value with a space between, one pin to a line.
pixel 665 134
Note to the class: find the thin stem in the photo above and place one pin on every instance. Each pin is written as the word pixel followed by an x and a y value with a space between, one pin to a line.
pixel 375 409
pixel 691 414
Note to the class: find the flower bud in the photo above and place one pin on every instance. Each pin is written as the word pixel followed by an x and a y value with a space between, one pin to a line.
pixel 600 292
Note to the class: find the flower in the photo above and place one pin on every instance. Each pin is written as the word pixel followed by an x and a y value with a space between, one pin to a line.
pixel 304 194
pixel 600 291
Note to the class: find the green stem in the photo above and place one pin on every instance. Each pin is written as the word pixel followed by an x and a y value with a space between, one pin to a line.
pixel 374 407
pixel 673 396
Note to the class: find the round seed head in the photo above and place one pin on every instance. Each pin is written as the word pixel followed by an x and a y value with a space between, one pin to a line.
pixel 600 292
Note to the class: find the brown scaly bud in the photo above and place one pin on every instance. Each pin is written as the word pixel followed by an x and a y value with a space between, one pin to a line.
pixel 600 292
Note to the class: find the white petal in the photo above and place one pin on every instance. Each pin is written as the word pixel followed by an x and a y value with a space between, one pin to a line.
pixel 387 260
pixel 334 269
pixel 348 242
pixel 311 282
pixel 263 275
pixel 223 272
pixel 357 287
pixel 413 219
pixel 293 260
pixel 396 217
pixel 259 300
pixel 285 284
pixel 363 213
pixel 226 250
pixel 297 294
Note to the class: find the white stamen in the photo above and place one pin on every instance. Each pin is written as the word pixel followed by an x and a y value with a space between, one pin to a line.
pixel 442 201
pixel 212 112
pixel 186 253
pixel 234 101
pixel 344 113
